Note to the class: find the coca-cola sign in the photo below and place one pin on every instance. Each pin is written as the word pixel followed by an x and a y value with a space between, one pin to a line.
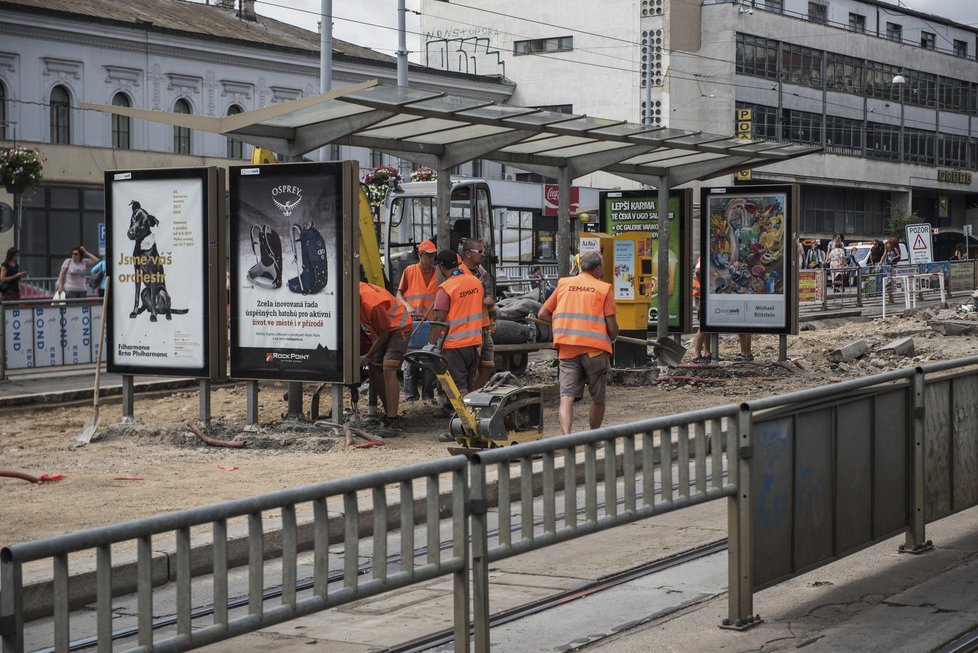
pixel 551 199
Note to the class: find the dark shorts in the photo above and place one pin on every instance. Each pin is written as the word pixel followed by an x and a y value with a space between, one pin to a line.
pixel 488 353
pixel 463 365
pixel 392 355
pixel 574 373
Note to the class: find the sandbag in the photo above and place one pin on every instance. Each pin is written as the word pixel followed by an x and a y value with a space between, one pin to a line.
pixel 517 308
pixel 509 332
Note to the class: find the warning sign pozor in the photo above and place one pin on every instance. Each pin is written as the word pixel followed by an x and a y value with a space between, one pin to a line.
pixel 919 244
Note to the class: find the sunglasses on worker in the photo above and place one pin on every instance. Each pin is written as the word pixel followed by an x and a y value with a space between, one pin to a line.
pixel 477 251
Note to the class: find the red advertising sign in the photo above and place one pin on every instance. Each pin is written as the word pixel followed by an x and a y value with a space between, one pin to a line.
pixel 551 200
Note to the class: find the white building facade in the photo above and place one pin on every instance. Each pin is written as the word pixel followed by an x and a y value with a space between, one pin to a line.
pixel 207 59
pixel 823 72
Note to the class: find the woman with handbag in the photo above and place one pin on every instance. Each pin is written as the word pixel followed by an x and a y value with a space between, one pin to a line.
pixel 10 276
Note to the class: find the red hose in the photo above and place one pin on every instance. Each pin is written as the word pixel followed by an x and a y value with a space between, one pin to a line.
pixel 214 442
pixel 24 476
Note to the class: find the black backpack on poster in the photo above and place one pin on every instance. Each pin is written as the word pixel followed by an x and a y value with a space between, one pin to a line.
pixel 267 247
pixel 313 273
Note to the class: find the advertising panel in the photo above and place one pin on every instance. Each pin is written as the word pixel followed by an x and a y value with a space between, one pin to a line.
pixel 749 259
pixel 294 271
pixel 63 333
pixel 164 260
pixel 623 212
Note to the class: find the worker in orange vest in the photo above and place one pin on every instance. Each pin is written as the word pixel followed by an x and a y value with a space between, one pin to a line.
pixel 473 256
pixel 459 304
pixel 582 310
pixel 388 321
pixel 417 288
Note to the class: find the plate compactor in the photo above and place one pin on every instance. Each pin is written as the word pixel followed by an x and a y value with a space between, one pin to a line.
pixel 499 414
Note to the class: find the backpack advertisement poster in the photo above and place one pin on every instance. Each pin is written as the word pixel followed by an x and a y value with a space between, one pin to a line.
pixel 749 259
pixel 162 271
pixel 292 236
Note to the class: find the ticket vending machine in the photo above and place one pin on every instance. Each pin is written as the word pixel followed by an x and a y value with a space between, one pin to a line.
pixel 630 268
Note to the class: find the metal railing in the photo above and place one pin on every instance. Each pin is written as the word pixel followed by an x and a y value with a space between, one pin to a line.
pixel 809 477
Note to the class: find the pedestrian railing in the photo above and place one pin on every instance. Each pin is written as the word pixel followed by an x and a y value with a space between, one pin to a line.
pixel 809 477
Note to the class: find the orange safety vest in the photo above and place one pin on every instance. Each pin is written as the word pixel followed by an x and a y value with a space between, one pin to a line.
pixel 465 311
pixel 420 294
pixel 579 317
pixel 372 296
pixel 696 279
pixel 485 309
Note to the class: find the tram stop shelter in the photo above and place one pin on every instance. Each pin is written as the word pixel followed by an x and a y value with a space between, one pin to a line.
pixel 442 131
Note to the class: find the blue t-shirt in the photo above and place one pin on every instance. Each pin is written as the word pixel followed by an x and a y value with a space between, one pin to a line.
pixel 97 268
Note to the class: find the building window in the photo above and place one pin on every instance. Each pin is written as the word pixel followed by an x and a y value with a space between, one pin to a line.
pixel 120 124
pixel 60 116
pixel 928 40
pixel 539 46
pixel 3 111
pixel 234 145
pixel 894 32
pixel 857 23
pixel 952 151
pixel 844 135
pixel 818 12
pixel 774 5
pixel 882 141
pixel 764 121
pixel 801 126
pixel 960 48
pixel 376 158
pixel 801 65
pixel 757 56
pixel 56 218
pixel 844 74
pixel 181 135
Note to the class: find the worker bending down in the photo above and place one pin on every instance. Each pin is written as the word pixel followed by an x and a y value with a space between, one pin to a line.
pixel 388 321
pixel 582 310
pixel 418 286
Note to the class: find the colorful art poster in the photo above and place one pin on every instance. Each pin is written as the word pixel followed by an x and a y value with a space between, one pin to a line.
pixel 747 259
pixel 624 270
pixel 157 262
pixel 623 212
pixel 290 278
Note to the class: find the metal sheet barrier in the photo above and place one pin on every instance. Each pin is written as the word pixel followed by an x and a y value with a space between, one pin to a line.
pixel 42 333
pixel 809 477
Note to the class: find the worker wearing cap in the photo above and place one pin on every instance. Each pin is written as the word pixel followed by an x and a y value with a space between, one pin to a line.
pixel 417 288
pixel 459 304
pixel 387 319
pixel 473 256
pixel 419 282
pixel 582 310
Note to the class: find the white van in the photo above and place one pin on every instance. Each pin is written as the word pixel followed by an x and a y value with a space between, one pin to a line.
pixel 862 251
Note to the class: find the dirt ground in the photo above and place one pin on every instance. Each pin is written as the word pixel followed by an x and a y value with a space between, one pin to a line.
pixel 135 470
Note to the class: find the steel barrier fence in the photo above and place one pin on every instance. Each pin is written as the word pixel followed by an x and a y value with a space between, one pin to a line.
pixel 809 477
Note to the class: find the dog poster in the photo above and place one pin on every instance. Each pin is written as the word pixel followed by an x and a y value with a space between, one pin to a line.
pixel 291 260
pixel 157 242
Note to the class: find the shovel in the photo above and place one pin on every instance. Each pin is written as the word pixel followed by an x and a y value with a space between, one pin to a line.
pixel 664 349
pixel 91 426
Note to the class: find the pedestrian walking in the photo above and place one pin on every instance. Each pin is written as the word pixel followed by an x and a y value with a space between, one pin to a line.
pixel 10 276
pixel 582 311
pixel 388 322
pixel 71 278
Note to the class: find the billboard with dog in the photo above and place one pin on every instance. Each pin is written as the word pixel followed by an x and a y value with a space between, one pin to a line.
pixel 164 230
pixel 293 277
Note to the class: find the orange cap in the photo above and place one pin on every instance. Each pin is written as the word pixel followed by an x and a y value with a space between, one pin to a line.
pixel 427 247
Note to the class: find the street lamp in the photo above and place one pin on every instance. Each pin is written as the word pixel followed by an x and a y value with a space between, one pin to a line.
pixel 900 81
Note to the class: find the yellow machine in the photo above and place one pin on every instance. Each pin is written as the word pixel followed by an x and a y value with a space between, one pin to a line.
pixel 497 415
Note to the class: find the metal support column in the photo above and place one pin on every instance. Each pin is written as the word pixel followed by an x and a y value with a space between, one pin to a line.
pixel 252 392
pixel 480 555
pixel 740 579
pixel 337 405
pixel 443 186
pixel 714 346
pixel 662 280
pixel 11 606
pixel 782 348
pixel 205 402
pixel 915 541
pixel 127 396
pixel 294 410
pixel 564 232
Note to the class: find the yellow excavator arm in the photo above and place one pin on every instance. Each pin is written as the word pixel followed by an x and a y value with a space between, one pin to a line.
pixel 373 268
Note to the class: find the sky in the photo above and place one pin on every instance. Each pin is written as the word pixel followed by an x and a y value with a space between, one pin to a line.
pixel 373 23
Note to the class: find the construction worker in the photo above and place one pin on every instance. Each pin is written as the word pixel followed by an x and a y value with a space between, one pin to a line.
pixel 473 256
pixel 388 321
pixel 459 304
pixel 582 310
pixel 417 289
